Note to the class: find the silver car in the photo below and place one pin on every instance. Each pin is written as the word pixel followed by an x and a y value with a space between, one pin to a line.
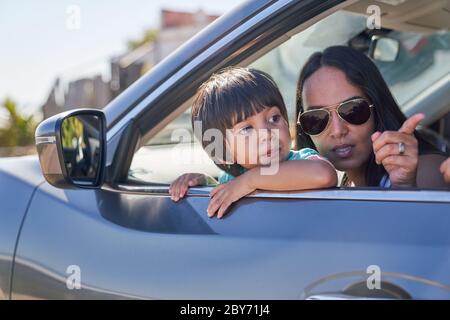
pixel 91 218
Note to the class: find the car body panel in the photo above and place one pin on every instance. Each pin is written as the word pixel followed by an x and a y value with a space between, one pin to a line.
pixel 139 246
pixel 18 184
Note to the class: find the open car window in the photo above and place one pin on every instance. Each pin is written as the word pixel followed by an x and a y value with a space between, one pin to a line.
pixel 424 59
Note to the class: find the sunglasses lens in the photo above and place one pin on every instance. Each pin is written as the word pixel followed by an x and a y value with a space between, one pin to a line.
pixel 355 112
pixel 314 122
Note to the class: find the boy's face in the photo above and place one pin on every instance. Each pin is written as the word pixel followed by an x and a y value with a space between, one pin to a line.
pixel 261 139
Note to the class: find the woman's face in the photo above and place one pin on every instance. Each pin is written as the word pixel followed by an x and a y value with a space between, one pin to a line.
pixel 260 139
pixel 347 146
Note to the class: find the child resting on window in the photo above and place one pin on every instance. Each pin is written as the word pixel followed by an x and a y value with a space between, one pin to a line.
pixel 246 107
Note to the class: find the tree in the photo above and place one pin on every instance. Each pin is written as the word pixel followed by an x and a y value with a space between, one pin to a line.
pixel 149 36
pixel 19 130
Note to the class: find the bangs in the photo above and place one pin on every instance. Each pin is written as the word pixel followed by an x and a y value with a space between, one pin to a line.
pixel 242 110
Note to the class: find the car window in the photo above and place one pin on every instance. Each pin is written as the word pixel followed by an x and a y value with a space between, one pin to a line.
pixel 170 153
pixel 423 59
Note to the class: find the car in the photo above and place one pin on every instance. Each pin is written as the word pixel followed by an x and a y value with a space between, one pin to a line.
pixel 91 217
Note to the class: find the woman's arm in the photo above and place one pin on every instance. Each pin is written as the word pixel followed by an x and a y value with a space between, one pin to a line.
pixel 291 175
pixel 445 170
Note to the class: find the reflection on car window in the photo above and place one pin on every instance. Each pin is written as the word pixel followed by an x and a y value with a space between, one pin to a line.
pixel 171 153
pixel 423 58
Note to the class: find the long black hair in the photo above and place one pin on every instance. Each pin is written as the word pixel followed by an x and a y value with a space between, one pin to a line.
pixel 364 74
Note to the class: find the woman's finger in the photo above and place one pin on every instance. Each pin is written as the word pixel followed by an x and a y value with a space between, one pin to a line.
pixel 393 137
pixel 405 162
pixel 394 150
pixel 445 170
pixel 375 135
pixel 410 124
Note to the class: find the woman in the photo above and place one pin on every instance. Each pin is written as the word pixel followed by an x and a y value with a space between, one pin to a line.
pixel 347 113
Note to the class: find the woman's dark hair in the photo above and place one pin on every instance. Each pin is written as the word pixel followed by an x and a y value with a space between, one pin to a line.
pixel 230 96
pixel 364 74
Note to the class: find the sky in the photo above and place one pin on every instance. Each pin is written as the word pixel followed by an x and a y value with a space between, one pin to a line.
pixel 41 40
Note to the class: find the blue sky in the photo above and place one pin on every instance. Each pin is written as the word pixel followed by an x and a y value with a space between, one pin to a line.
pixel 36 45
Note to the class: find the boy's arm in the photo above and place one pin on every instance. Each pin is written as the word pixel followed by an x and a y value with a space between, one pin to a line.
pixel 291 175
pixel 294 175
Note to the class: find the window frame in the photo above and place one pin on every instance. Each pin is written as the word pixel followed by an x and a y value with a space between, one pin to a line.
pixel 262 30
pixel 155 110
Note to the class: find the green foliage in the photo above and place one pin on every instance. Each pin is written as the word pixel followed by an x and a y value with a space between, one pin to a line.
pixel 19 130
pixel 149 36
pixel 72 132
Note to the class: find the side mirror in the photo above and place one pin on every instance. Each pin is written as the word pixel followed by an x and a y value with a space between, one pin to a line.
pixel 72 148
pixel 384 49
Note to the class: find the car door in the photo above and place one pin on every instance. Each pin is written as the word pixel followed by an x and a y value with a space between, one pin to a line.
pixel 129 240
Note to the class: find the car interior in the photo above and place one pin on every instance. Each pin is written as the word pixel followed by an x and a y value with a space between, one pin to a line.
pixel 418 75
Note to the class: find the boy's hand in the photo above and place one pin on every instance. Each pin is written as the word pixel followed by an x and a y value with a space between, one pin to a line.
pixel 179 187
pixel 445 170
pixel 225 194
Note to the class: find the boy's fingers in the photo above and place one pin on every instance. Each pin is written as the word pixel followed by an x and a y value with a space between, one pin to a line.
pixel 215 190
pixel 410 124
pixel 223 209
pixel 177 188
pixel 215 203
pixel 212 208
pixel 194 181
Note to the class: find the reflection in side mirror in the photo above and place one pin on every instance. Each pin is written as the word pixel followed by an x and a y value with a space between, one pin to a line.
pixel 384 49
pixel 71 148
pixel 80 138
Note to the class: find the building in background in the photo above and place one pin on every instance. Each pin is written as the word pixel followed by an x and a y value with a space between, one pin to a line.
pixel 82 93
pixel 176 28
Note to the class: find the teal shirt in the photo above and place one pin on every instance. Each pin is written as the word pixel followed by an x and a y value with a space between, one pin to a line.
pixel 306 153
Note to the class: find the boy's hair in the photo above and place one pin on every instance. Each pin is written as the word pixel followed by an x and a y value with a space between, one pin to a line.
pixel 231 96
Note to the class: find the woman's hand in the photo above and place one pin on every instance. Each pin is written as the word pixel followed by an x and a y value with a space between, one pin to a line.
pixel 225 194
pixel 445 170
pixel 179 187
pixel 402 168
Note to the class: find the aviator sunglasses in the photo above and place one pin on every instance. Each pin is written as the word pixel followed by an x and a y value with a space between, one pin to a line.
pixel 315 121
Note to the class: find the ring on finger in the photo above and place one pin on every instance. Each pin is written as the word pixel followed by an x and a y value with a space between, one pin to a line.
pixel 401 148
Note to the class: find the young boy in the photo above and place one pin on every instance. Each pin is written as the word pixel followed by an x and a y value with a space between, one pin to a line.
pixel 247 108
